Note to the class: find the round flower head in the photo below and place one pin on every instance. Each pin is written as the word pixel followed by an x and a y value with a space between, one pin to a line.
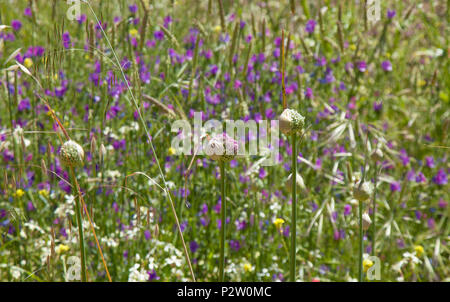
pixel 222 148
pixel 291 122
pixel 71 154
pixel 366 221
pixel 362 193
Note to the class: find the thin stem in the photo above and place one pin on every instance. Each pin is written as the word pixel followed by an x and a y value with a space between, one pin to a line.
pixel 361 244
pixel 80 232
pixel 374 209
pixel 223 210
pixel 294 207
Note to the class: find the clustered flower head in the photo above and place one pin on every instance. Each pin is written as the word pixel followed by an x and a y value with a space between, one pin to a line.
pixel 363 192
pixel 291 122
pixel 222 148
pixel 71 154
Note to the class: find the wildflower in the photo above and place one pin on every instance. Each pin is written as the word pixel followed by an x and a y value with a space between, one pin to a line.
pixel 310 26
pixel 19 193
pixel 72 154
pixel 44 193
pixel 366 221
pixel 386 65
pixel 367 263
pixel 16 25
pixel 291 122
pixel 419 250
pixel 278 223
pixel 62 248
pixel 28 63
pixel 391 13
pixel 247 267
pixel 133 32
pixel 171 151
pixel 217 28
pixel 222 148
pixel 396 186
pixel 440 178
pixel 363 192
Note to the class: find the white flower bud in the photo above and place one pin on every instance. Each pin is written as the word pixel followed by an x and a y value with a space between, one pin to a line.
pixel 366 221
pixel 71 154
pixel 364 192
pixel 377 155
pixel 298 180
pixel 291 122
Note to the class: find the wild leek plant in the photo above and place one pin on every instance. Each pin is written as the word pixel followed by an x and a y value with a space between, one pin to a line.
pixel 223 149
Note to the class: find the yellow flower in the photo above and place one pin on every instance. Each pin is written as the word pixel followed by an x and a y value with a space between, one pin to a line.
pixel 352 47
pixel 217 28
pixel 172 151
pixel 367 264
pixel 133 32
pixel 28 63
pixel 419 250
pixel 421 83
pixel 44 193
pixel 62 248
pixel 278 222
pixel 19 193
pixel 247 267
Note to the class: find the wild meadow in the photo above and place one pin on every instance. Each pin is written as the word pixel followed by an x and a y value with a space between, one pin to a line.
pixel 93 187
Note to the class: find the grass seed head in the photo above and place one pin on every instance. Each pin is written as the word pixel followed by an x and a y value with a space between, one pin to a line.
pixel 363 192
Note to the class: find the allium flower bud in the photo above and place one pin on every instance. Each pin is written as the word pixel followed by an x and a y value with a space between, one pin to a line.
pixel 298 180
pixel 362 193
pixel 291 122
pixel 366 221
pixel 377 155
pixel 222 148
pixel 71 154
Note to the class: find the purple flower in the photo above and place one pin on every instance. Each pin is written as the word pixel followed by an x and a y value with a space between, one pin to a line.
pixel 310 26
pixel 404 157
pixel 66 39
pixel 27 12
pixel 24 105
pixel 429 161
pixel 193 246
pixel 391 13
pixel 440 178
pixel 420 178
pixel 362 66
pixel 395 186
pixel 159 35
pixel 16 25
pixel 235 245
pixel 347 209
pixel 133 8
pixel 147 234
pixel 309 93
pixel 386 65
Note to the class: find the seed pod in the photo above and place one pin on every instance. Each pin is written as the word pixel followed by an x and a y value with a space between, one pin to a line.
pixel 366 221
pixel 362 193
pixel 222 148
pixel 291 122
pixel 71 154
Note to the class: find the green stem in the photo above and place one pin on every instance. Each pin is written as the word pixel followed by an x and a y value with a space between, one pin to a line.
pixel 223 210
pixel 361 244
pixel 80 230
pixel 294 207
pixel 374 209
